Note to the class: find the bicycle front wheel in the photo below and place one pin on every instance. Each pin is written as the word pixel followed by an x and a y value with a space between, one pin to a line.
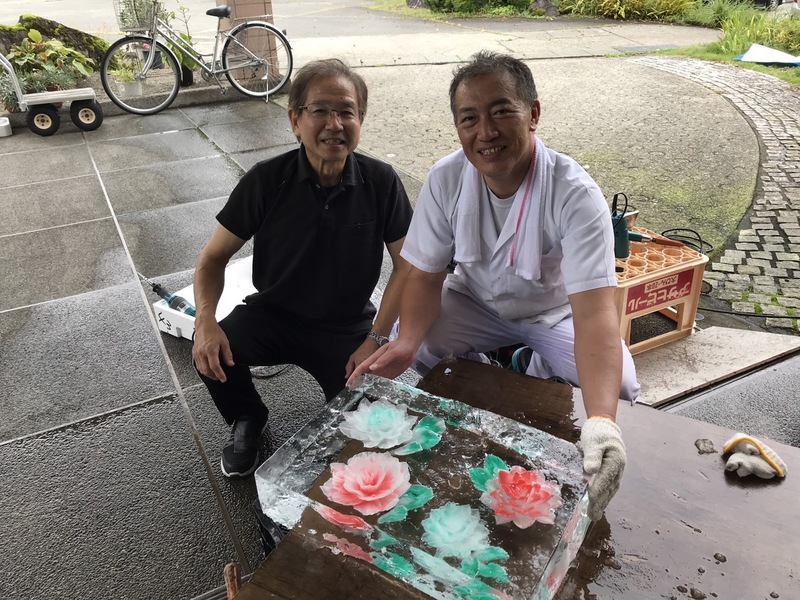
pixel 257 59
pixel 130 89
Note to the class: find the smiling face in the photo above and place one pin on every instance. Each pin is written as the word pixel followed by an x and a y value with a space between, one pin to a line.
pixel 494 126
pixel 328 141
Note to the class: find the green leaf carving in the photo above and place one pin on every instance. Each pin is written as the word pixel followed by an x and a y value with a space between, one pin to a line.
pixel 493 571
pixel 491 553
pixel 432 424
pixel 415 497
pixel 427 433
pixel 475 590
pixel 479 478
pixel 398 513
pixel 393 564
pixel 493 464
pixel 410 448
pixel 383 541
pixel 469 566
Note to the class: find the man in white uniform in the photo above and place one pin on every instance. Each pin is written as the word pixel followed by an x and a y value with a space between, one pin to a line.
pixel 532 237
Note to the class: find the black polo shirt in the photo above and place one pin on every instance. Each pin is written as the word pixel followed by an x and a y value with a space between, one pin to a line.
pixel 317 252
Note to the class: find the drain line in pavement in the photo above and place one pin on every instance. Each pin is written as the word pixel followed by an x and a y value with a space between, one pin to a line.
pixel 172 373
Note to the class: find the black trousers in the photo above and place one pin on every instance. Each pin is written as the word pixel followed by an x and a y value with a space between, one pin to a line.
pixel 262 336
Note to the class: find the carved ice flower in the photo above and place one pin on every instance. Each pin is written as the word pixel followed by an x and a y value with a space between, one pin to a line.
pixel 522 496
pixel 378 424
pixel 350 523
pixel 370 482
pixel 346 547
pixel 455 530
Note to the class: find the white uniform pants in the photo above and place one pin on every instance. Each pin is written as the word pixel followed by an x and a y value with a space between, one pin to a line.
pixel 464 326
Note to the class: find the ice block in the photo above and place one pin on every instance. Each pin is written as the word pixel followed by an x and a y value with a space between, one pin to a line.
pixel 457 502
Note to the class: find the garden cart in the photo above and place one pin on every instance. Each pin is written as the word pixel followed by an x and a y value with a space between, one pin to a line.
pixel 42 107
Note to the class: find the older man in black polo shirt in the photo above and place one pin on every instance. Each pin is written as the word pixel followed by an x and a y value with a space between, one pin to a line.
pixel 320 216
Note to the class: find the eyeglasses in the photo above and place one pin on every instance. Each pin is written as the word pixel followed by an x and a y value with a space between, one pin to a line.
pixel 322 112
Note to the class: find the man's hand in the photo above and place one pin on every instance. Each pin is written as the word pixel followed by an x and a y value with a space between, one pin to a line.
pixel 211 345
pixel 364 351
pixel 388 361
pixel 603 456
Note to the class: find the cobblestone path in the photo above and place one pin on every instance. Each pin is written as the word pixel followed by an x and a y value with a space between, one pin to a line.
pixel 759 271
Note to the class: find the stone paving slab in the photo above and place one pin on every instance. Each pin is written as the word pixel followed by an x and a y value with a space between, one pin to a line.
pixel 81 524
pixel 79 356
pixel 62 261
pixel 763 404
pixel 168 240
pixel 27 208
pixel 707 357
pixel 181 182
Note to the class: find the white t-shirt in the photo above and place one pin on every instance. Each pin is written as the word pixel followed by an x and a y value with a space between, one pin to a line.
pixel 577 245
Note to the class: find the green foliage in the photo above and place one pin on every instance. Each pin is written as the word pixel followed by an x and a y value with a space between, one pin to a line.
pixel 35 54
pixel 182 16
pixel 712 13
pixel 654 10
pixel 42 65
pixel 787 36
pixel 487 7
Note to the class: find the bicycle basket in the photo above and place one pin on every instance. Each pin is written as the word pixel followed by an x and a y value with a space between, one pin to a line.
pixel 134 15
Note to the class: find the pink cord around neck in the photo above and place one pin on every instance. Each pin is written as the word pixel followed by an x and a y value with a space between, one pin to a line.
pixel 525 197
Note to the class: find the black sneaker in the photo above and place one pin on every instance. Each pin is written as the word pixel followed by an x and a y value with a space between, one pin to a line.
pixel 240 454
pixel 521 359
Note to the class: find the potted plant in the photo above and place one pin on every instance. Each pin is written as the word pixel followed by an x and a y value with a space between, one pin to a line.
pixel 188 64
pixel 41 66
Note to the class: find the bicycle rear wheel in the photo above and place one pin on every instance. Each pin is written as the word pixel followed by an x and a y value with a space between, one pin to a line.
pixel 257 58
pixel 120 74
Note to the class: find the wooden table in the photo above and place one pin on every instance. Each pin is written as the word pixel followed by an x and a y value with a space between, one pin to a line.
pixel 680 527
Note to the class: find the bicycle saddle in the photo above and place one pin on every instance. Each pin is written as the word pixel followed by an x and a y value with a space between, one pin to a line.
pixel 223 12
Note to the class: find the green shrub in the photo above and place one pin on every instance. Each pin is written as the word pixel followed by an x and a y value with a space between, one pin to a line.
pixel 658 10
pixel 787 36
pixel 712 13
pixel 494 7
pixel 742 29
pixel 35 54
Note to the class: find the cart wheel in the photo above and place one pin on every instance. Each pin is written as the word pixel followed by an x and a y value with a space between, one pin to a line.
pixel 86 114
pixel 43 119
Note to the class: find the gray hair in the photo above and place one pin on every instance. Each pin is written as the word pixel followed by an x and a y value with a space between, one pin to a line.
pixel 491 63
pixel 329 67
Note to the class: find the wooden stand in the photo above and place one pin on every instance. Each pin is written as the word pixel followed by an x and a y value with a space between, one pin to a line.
pixel 657 278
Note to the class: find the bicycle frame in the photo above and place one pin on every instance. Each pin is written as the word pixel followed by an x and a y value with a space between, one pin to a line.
pixel 161 31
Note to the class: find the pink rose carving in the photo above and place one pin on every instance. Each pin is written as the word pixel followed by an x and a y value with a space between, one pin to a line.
pixel 523 497
pixel 346 547
pixel 349 523
pixel 370 482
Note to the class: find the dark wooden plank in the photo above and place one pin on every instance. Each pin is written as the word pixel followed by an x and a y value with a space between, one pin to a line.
pixel 302 569
pixel 677 513
pixel 546 405
pixel 680 526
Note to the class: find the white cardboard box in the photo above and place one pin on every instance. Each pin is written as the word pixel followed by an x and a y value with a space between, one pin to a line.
pixel 238 285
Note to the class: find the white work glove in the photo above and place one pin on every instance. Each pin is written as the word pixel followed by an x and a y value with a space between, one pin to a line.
pixel 603 456
pixel 752 456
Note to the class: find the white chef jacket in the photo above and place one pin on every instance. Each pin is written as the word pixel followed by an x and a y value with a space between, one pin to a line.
pixel 566 237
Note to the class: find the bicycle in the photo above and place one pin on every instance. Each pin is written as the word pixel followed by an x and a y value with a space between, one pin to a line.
pixel 255 57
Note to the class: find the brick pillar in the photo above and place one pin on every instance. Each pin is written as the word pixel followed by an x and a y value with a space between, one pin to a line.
pixel 243 9
pixel 255 10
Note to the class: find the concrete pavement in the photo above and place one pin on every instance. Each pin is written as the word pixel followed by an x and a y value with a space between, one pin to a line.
pixel 110 447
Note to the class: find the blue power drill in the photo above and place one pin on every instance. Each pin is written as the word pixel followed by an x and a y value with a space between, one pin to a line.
pixel 622 247
pixel 174 301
